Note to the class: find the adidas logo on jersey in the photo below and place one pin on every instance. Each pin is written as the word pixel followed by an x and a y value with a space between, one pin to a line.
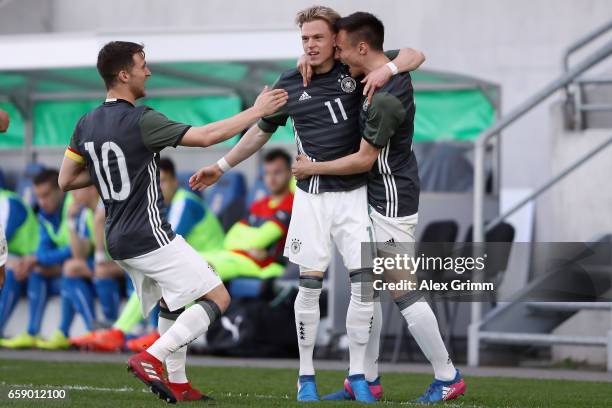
pixel 304 96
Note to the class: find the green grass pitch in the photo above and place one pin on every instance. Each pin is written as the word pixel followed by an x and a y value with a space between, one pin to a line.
pixel 110 385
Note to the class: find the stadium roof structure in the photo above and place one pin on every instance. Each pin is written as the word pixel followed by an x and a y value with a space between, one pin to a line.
pixel 50 80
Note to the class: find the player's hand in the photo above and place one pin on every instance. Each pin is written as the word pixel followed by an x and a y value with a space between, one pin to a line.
pixel 24 267
pixel 258 253
pixel 205 177
pixel 302 167
pixel 1 276
pixel 375 80
pixel 269 101
pixel 305 69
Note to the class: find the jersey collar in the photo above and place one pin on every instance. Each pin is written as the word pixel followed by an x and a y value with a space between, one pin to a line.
pixel 112 101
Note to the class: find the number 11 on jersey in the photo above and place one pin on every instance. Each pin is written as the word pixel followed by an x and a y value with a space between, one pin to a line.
pixel 331 110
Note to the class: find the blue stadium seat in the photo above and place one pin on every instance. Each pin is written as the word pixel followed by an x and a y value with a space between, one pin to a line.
pixel 245 288
pixel 257 192
pixel 24 187
pixel 32 169
pixel 227 198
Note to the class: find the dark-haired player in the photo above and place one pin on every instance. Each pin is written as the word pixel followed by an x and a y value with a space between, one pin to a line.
pixel 386 125
pixel 326 209
pixel 116 146
pixel 253 246
pixel 42 269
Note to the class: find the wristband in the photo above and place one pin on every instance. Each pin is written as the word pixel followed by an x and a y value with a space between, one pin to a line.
pixel 392 67
pixel 223 165
pixel 100 256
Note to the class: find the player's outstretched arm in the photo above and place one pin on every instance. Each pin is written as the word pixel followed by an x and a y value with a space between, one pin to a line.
pixel 73 175
pixel 355 163
pixel 266 104
pixel 404 60
pixel 385 114
pixel 250 143
pixel 407 60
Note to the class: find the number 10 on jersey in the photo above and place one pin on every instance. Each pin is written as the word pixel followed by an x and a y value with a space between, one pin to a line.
pixel 124 190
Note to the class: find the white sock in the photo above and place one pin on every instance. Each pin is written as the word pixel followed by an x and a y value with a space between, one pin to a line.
pixel 423 326
pixel 359 318
pixel 307 316
pixel 175 362
pixel 190 325
pixel 373 347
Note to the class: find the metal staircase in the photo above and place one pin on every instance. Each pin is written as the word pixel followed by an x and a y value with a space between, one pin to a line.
pixel 530 320
pixel 589 98
pixel 525 320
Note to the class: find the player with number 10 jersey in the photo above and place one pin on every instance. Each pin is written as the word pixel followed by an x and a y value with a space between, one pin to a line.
pixel 116 147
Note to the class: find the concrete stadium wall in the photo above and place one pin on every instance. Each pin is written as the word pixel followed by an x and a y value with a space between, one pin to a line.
pixel 578 208
pixel 516 44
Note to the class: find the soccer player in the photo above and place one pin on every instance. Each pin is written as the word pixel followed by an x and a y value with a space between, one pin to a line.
pixel 107 273
pixel 77 291
pixel 19 229
pixel 189 218
pixel 326 208
pixel 116 147
pixel 188 214
pixel 254 246
pixel 43 268
pixel 387 125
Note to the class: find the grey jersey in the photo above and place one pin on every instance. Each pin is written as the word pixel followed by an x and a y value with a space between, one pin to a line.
pixel 388 124
pixel 325 118
pixel 120 144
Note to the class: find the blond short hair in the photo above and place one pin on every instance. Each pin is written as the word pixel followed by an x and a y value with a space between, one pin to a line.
pixel 327 14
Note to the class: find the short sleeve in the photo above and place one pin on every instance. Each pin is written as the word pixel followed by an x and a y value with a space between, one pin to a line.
pixel 270 123
pixel 74 140
pixel 158 132
pixel 384 116
pixel 392 54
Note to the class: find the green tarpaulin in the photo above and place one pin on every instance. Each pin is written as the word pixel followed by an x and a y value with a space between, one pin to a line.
pixel 449 107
